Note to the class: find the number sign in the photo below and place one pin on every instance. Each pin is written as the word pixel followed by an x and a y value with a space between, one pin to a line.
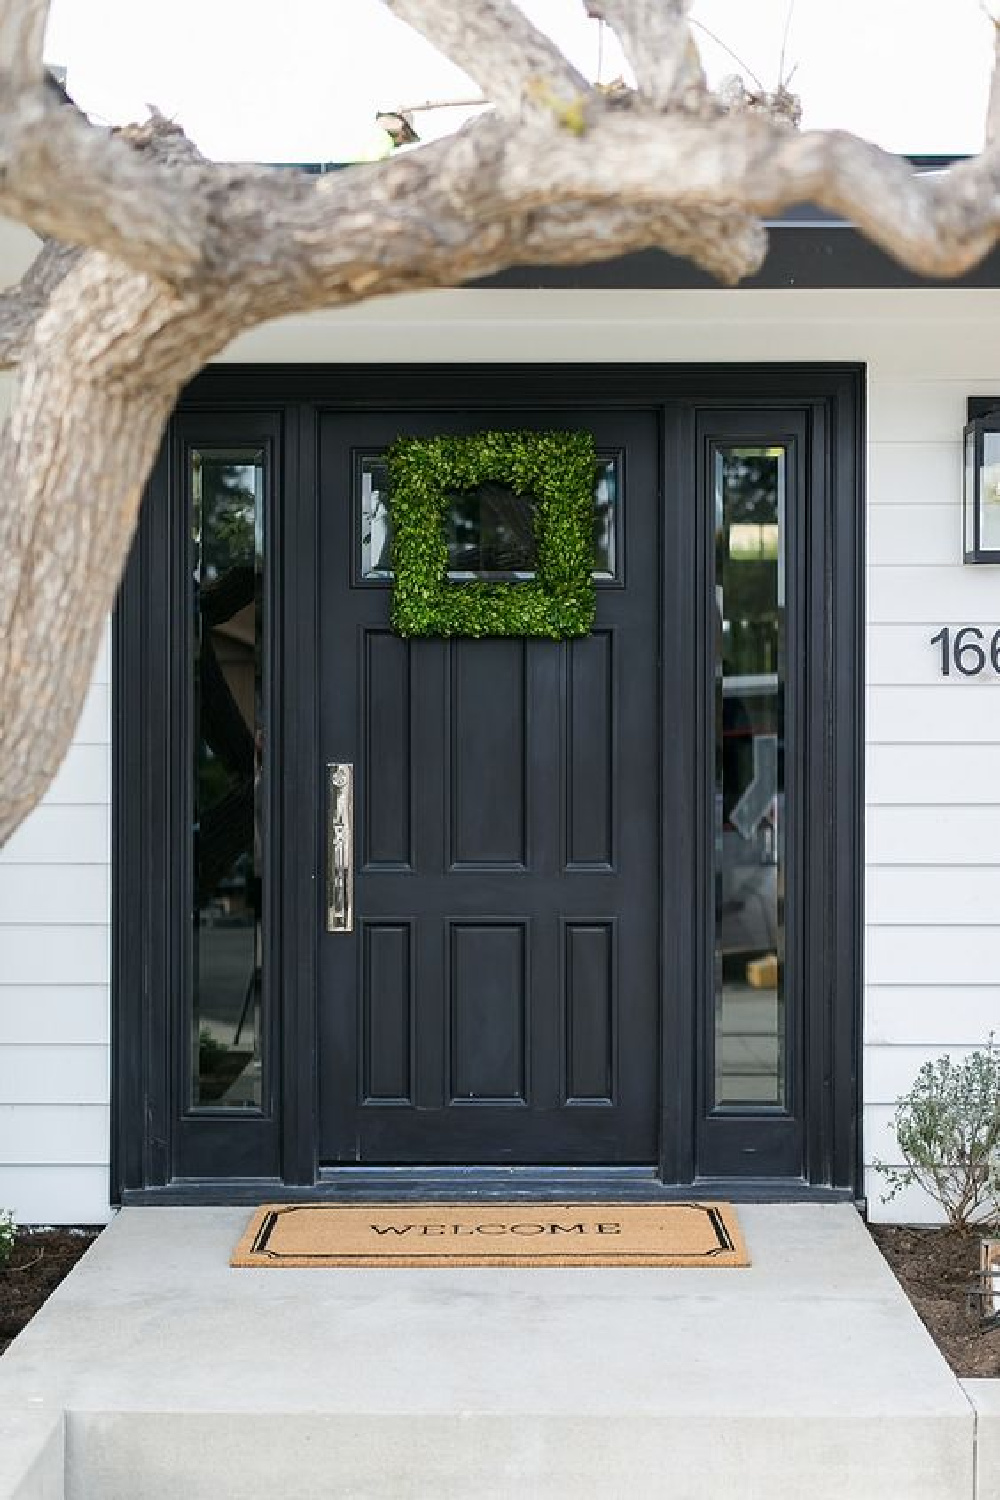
pixel 966 650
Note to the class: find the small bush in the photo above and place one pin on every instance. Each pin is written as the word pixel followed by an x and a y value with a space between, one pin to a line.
pixel 948 1129
pixel 8 1232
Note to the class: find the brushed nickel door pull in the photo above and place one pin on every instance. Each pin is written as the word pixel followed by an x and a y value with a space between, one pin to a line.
pixel 340 847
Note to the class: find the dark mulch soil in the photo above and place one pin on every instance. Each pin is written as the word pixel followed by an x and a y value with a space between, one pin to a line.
pixel 40 1260
pixel 936 1268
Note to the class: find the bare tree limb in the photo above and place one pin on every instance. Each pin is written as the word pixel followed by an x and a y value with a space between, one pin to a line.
pixel 21 306
pixel 657 40
pixel 164 258
pixel 992 130
pixel 22 34
pixel 512 61
pixel 71 181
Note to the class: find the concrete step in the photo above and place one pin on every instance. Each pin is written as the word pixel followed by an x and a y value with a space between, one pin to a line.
pixel 806 1375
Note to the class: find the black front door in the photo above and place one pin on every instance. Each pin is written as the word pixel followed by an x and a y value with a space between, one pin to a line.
pixel 607 901
pixel 497 999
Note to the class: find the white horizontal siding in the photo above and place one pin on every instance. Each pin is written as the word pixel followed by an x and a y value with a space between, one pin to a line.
pixel 54 1073
pixel 61 895
pixel 932 895
pixel 933 835
pixel 54 834
pixel 55 941
pixel 42 1014
pixel 56 1194
pixel 933 715
pixel 945 775
pixel 911 1206
pixel 54 1134
pixel 84 778
pixel 914 473
pixel 916 533
pixel 931 594
pixel 930 410
pixel 891 1069
pixel 94 727
pixel 940 1016
pixel 932 900
pixel 56 954
pixel 932 955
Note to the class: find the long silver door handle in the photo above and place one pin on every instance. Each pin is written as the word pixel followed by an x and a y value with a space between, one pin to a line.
pixel 340 847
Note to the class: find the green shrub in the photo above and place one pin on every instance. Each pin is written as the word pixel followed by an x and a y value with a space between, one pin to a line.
pixel 8 1233
pixel 948 1129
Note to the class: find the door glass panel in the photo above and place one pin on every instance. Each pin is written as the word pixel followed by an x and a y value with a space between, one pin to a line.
pixel 490 533
pixel 606 519
pixel 374 519
pixel 227 489
pixel 749 486
pixel 483 526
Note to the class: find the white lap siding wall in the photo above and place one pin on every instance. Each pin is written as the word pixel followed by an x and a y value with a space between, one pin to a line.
pixel 55 938
pixel 932 959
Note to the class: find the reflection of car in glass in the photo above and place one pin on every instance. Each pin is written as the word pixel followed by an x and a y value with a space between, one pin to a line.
pixel 749 816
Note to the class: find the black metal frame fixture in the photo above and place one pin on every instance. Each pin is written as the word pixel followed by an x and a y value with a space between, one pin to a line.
pixel 981 448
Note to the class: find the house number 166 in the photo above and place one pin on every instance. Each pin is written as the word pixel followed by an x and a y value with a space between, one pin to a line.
pixel 966 650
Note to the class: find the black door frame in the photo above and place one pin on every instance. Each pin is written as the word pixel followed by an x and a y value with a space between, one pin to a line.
pixel 160 1153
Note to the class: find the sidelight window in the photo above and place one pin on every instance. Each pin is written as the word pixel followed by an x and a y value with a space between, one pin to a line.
pixel 749 844
pixel 227 500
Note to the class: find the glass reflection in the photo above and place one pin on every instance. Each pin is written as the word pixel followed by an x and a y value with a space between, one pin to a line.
pixel 989 508
pixel 227 524
pixel 490 533
pixel 476 541
pixel 606 519
pixel 375 533
pixel 749 499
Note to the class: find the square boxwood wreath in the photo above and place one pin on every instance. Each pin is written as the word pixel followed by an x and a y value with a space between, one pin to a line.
pixel 558 469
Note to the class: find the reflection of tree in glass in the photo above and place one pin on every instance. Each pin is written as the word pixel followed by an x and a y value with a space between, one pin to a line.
pixel 229 582
pixel 375 533
pixel 491 530
pixel 228 523
pixel 749 487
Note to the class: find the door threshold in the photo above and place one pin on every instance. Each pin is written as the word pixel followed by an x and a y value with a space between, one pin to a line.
pixel 567 1184
pixel 364 1184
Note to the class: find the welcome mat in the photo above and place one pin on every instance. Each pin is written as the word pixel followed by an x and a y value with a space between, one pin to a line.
pixel 493 1234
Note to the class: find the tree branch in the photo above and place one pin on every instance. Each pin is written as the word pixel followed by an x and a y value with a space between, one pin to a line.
pixel 512 61
pixel 656 38
pixel 69 180
pixel 992 130
pixel 22 34
pixel 177 256
pixel 21 306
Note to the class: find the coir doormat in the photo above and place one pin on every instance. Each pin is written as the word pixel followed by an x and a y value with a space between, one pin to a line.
pixel 493 1234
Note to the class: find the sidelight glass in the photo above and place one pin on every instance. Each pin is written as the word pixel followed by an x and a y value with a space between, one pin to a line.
pixel 749 498
pixel 489 531
pixel 227 495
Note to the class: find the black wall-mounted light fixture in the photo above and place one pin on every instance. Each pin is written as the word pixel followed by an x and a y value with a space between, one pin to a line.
pixel 981 489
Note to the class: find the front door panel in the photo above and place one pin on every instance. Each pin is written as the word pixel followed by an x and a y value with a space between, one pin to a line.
pixel 496 1000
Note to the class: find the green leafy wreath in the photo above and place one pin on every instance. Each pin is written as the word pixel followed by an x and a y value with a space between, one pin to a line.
pixel 558 470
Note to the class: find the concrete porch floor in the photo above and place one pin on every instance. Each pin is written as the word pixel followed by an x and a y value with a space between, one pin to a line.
pixel 155 1371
